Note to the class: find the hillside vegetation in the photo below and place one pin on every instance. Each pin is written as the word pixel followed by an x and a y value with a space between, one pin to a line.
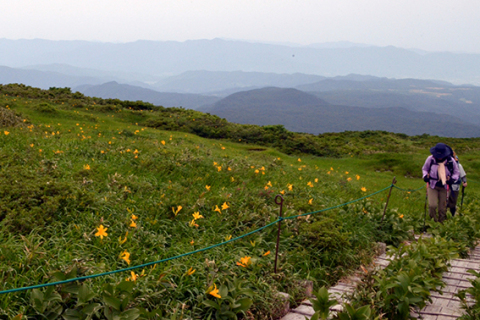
pixel 90 185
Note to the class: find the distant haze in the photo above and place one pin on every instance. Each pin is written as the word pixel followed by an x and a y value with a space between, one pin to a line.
pixel 432 25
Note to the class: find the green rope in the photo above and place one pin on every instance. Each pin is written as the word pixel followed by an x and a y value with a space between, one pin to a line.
pixel 138 266
pixel 409 190
pixel 338 206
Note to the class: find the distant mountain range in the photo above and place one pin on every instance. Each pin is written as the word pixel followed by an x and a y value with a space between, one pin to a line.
pixel 463 102
pixel 217 82
pixel 303 112
pixel 128 92
pixel 316 88
pixel 168 58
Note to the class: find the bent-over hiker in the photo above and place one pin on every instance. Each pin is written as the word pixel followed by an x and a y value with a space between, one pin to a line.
pixel 439 171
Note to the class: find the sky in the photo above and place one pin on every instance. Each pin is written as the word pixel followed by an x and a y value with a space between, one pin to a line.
pixel 431 25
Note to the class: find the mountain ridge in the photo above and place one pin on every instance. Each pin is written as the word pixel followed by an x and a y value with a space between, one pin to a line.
pixel 302 112
pixel 169 57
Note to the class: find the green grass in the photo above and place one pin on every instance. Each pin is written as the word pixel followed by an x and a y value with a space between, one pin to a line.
pixel 69 164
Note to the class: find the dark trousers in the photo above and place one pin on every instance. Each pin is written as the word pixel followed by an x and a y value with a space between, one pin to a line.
pixel 437 198
pixel 452 202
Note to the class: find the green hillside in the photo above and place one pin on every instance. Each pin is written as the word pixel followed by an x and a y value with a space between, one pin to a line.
pixel 91 185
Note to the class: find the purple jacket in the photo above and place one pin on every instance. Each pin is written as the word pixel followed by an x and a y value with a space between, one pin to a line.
pixel 431 163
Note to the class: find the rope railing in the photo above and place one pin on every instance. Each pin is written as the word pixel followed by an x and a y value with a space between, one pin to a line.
pixel 409 190
pixel 203 249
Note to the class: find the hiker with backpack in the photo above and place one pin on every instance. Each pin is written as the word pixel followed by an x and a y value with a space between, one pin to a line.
pixel 439 172
pixel 453 196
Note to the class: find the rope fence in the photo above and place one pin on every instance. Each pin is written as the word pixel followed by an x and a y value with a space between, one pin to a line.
pixel 206 248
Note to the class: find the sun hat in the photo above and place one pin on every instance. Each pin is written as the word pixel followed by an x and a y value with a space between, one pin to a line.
pixel 440 151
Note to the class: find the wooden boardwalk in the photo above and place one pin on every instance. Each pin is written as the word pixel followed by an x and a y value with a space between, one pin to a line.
pixel 444 306
pixel 343 287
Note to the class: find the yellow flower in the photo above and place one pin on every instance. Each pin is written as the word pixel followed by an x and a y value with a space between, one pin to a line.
pixel 32 145
pixel 86 167
pixel 214 292
pixel 214 163
pixel 244 262
pixel 310 201
pixel 223 148
pixel 225 206
pixel 266 253
pixel 232 178
pixel 134 217
pixel 349 179
pixel 310 184
pixel 328 172
pixel 133 277
pixel 346 172
pixel 364 189
pixel 190 271
pixel 358 177
pixel 192 242
pixel 269 184
pixel 282 192
pixel 401 216
pixel 331 168
pixel 316 180
pixel 266 187
pixel 101 232
pixel 219 168
pixel 6 133
pixel 162 142
pixel 299 160
pixel 197 215
pixel 290 187
pixel 299 169
pixel 176 211
pixel 228 237
pixel 217 209
pixel 124 239
pixel 193 224
pixel 125 256
pixel 133 224
pixel 256 171
pixel 229 169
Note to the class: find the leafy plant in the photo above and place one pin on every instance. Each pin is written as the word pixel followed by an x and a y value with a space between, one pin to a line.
pixel 322 304
pixel 235 299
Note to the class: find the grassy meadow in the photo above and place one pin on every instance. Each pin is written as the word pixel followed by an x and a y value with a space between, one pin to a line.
pixel 90 185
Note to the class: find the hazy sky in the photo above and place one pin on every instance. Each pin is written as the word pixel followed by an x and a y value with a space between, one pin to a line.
pixel 434 25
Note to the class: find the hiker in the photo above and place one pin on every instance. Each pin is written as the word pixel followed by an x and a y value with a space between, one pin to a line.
pixel 453 197
pixel 439 171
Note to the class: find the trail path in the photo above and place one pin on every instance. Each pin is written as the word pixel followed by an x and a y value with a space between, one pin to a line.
pixel 445 306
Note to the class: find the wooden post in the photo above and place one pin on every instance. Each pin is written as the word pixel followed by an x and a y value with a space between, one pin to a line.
pixel 279 201
pixel 388 198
